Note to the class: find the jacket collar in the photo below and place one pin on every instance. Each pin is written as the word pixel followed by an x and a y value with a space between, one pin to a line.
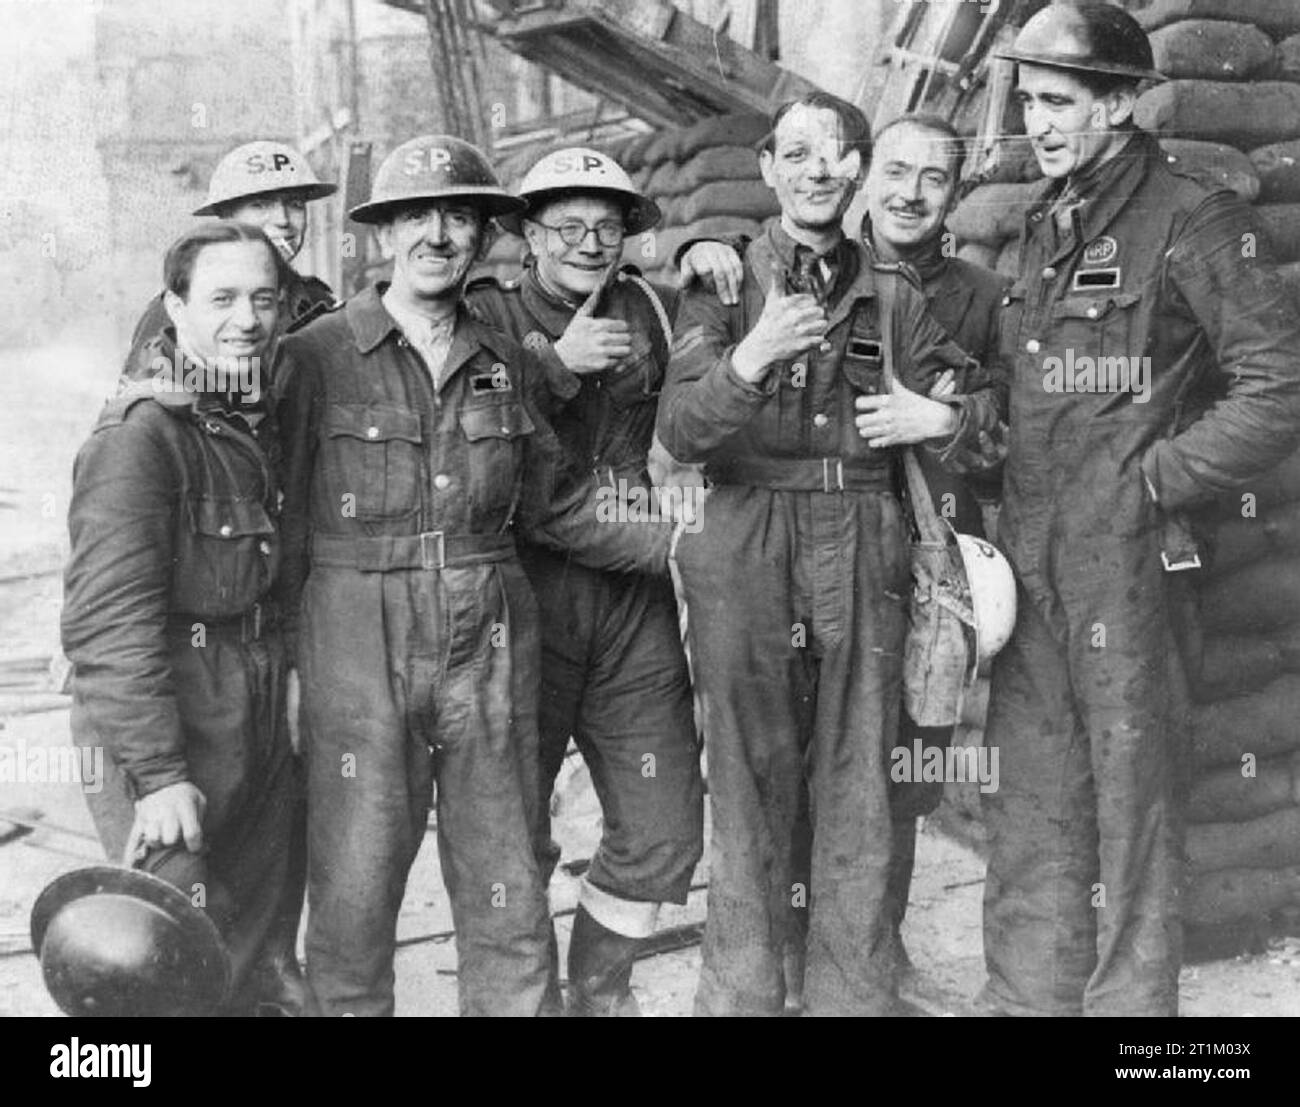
pixel 854 281
pixel 372 324
pixel 1102 191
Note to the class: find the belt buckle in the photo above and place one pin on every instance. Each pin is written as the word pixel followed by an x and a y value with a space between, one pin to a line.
pixel 826 474
pixel 441 547
pixel 1193 562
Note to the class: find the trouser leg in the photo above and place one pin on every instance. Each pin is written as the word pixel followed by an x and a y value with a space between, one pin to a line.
pixel 1039 918
pixel 487 776
pixel 368 791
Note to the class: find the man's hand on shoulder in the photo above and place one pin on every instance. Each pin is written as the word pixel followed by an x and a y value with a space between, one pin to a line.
pixel 716 262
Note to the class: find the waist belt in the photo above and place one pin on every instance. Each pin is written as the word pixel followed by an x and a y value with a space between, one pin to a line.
pixel 250 625
pixel 804 474
pixel 434 549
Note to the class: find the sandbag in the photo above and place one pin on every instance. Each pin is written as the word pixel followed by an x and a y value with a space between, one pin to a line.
pixel 1212 48
pixel 1016 162
pixel 718 163
pixel 1271 841
pixel 668 242
pixel 993 213
pixel 1242 115
pixel 739 129
pixel 1221 897
pixel 1262 723
pixel 1288 58
pixel 663 182
pixel 979 253
pixel 1277 17
pixel 631 154
pixel 748 199
pixel 1009 258
pixel 1232 665
pixel 1258 598
pixel 1214 163
pixel 1279 224
pixel 1236 541
pixel 1225 796
pixel 1278 167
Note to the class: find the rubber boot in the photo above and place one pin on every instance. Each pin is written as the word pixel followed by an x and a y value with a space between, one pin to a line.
pixel 279 983
pixel 600 970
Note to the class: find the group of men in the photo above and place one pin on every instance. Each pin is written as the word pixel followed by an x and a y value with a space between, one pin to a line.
pixel 401 546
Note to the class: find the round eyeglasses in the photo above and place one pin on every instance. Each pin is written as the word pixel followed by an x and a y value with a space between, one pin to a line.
pixel 573 232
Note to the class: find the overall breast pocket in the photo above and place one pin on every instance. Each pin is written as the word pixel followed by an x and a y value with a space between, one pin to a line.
pixel 376 454
pixel 637 379
pixel 1097 325
pixel 495 436
pixel 226 556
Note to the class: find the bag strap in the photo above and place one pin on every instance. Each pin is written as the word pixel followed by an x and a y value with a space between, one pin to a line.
pixel 928 524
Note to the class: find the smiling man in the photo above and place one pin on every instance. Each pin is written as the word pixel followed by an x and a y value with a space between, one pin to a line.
pixel 179 665
pixel 614 674
pixel 910 188
pixel 415 444
pixel 267 185
pixel 1120 256
pixel 798 576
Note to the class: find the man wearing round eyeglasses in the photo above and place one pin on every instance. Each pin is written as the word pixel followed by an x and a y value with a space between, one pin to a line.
pixel 614 675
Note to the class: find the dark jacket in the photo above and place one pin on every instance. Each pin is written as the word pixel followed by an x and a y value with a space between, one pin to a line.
pixel 172 523
pixel 373 450
pixel 805 408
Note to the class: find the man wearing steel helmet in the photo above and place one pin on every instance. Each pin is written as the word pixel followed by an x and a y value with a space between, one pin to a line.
pixel 614 673
pixel 268 185
pixel 413 439
pixel 797 580
pixel 1122 259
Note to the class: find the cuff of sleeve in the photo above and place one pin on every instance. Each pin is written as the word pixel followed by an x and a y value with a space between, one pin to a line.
pixel 1168 480
pixel 737 384
pixel 562 381
pixel 154 775
pixel 947 449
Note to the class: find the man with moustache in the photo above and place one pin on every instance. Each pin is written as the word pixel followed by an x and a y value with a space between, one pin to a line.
pixel 414 439
pixel 797 580
pixel 614 673
pixel 1120 256
pixel 911 188
pixel 179 664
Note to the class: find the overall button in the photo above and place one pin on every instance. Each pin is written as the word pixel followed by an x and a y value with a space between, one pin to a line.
pixel 820 419
pixel 264 547
pixel 1033 345
pixel 441 481
pixel 825 347
pixel 226 530
pixel 372 432
pixel 1092 313
pixel 1049 274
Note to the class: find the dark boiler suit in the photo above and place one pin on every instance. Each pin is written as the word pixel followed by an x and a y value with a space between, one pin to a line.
pixel 613 670
pixel 797 585
pixel 179 665
pixel 1085 836
pixel 416 639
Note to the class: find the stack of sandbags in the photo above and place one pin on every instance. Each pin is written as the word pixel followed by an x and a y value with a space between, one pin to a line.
pixel 1243 843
